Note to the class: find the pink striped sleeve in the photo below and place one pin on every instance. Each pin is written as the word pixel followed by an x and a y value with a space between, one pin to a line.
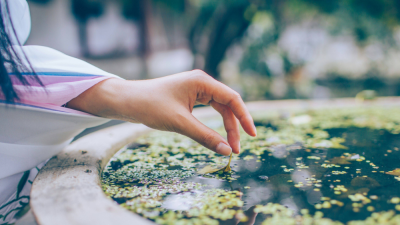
pixel 63 77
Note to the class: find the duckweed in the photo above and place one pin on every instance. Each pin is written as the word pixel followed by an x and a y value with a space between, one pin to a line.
pixel 312 167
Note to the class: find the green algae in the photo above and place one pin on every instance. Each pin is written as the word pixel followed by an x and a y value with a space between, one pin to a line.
pixel 161 165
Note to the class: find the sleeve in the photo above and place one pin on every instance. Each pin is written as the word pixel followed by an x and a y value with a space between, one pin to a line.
pixel 63 77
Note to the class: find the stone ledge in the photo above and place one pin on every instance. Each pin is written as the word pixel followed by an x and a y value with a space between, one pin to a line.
pixel 68 190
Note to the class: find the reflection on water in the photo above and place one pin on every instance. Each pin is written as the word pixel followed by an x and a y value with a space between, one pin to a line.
pixel 344 184
pixel 314 167
pixel 182 201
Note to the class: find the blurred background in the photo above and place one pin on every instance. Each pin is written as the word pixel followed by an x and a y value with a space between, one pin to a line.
pixel 264 49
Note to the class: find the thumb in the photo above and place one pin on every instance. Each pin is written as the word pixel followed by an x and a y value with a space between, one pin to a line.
pixel 205 136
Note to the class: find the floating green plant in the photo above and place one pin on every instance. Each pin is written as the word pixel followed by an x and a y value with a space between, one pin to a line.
pixel 210 169
pixel 308 167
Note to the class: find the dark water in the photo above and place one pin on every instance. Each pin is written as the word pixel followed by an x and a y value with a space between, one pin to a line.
pixel 263 180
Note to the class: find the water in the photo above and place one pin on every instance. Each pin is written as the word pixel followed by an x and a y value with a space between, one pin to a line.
pixel 362 142
pixel 345 184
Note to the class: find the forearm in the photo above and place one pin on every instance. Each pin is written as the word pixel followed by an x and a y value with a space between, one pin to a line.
pixel 106 99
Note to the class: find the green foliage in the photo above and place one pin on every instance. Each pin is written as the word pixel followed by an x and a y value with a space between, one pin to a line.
pixel 84 9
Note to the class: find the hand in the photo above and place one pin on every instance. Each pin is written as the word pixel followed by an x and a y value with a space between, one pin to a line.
pixel 167 103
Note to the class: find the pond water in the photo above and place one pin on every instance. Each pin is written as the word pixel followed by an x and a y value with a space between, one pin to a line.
pixel 312 167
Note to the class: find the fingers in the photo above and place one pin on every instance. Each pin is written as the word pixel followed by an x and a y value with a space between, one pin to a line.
pixel 226 96
pixel 191 127
pixel 231 125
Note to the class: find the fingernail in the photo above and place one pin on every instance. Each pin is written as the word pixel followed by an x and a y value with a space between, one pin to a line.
pixel 223 149
pixel 239 148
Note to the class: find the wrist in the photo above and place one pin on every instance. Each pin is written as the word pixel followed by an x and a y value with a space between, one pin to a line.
pixel 101 100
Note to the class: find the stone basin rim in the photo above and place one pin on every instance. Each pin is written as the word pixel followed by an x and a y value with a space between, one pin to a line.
pixel 68 189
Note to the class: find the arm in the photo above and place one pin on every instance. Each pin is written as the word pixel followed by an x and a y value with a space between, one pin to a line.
pixel 166 104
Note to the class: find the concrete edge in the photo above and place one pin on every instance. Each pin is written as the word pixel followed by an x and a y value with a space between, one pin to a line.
pixel 68 189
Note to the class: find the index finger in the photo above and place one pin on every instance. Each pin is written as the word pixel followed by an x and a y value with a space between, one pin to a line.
pixel 226 96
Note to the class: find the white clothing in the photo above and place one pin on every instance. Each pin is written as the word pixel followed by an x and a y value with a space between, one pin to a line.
pixel 20 17
pixel 38 127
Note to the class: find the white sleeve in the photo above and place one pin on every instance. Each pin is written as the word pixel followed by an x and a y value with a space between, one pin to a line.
pixel 63 77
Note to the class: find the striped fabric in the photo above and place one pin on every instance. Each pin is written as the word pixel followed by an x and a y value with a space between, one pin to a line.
pixel 63 77
pixel 38 127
